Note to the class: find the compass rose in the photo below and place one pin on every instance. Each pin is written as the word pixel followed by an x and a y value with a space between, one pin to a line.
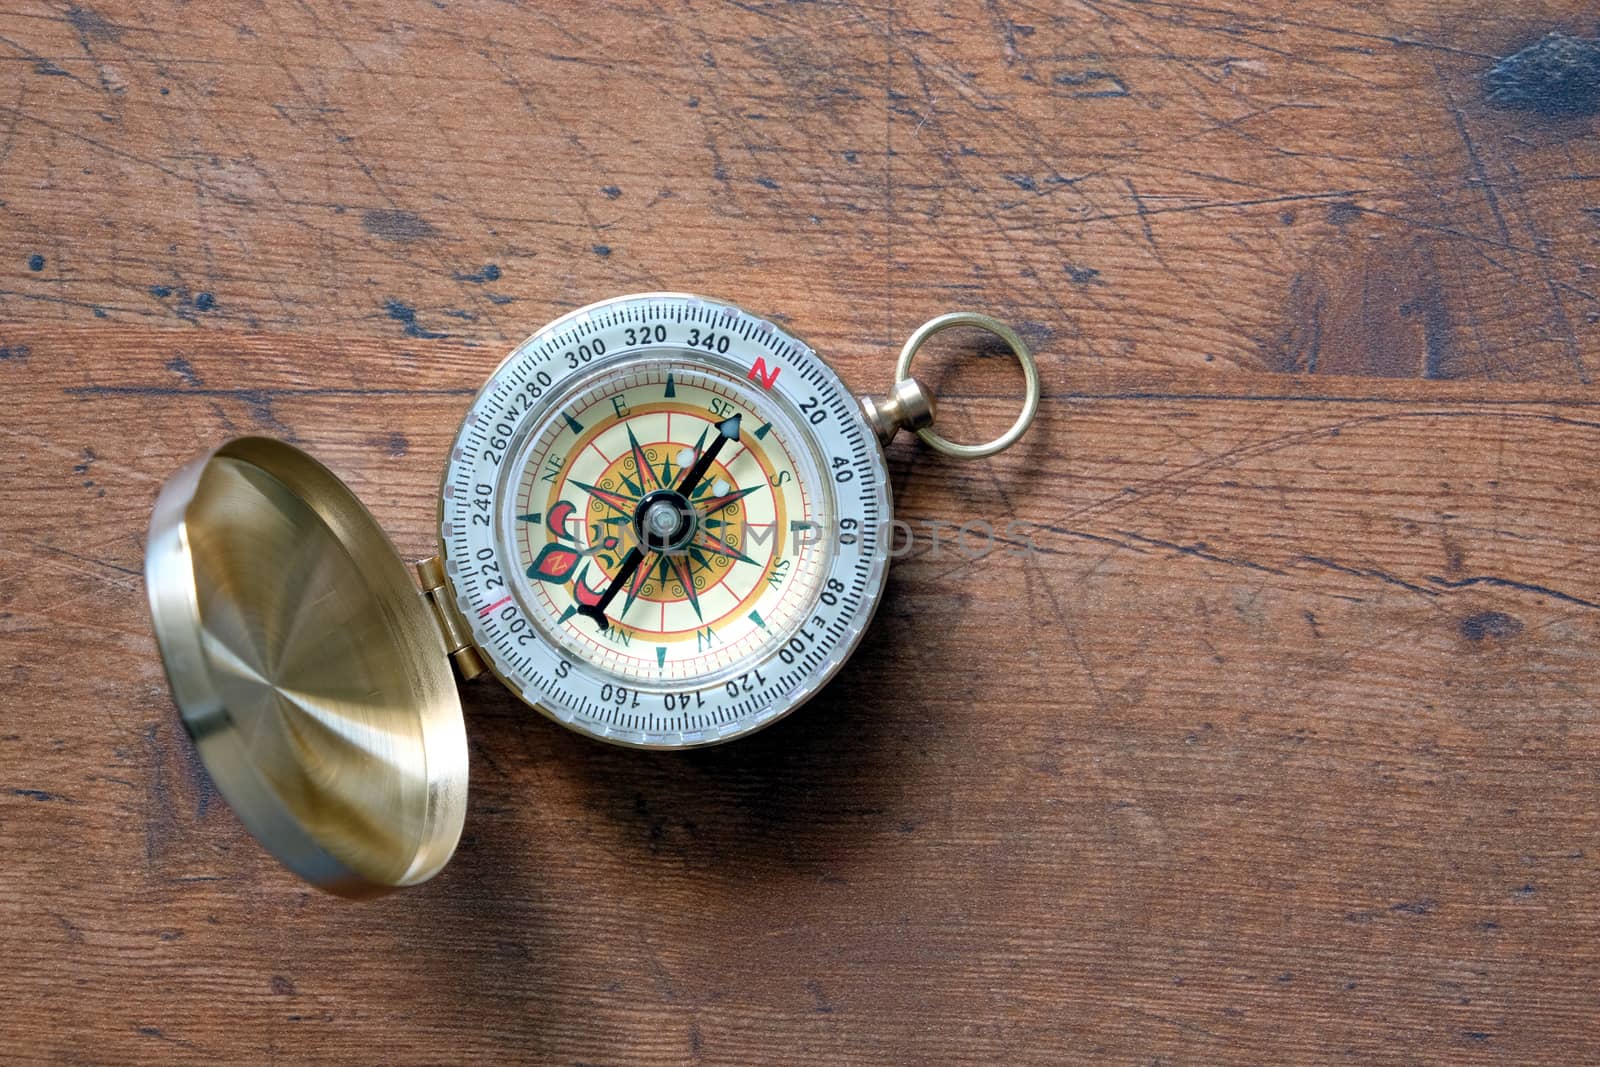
pixel 673 521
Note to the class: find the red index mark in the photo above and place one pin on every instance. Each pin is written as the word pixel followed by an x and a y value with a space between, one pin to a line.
pixel 484 611
pixel 760 373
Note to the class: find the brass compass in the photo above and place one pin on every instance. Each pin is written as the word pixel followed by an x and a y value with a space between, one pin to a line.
pixel 663 524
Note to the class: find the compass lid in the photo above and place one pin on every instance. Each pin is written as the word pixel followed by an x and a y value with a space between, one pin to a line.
pixel 307 668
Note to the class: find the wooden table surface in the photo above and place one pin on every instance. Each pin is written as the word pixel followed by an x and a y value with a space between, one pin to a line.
pixel 1280 745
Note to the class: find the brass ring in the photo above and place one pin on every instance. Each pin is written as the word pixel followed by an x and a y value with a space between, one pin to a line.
pixel 1030 373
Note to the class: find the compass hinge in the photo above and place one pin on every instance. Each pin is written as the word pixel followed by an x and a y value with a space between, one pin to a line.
pixel 457 638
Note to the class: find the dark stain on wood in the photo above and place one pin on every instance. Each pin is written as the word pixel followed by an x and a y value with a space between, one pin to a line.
pixel 489 272
pixel 93 25
pixel 1373 304
pixel 1558 75
pixel 406 315
pixel 1490 624
pixel 399 226
pixel 1415 907
pixel 1343 212
pixel 1092 84
pixel 182 368
pixel 393 444
pixel 188 306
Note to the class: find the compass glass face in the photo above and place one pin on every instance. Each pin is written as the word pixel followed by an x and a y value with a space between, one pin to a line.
pixel 662 519
pixel 728 564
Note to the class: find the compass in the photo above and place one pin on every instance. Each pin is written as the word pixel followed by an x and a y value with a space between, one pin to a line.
pixel 663 523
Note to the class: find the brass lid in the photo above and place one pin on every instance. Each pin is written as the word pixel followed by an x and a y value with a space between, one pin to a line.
pixel 307 668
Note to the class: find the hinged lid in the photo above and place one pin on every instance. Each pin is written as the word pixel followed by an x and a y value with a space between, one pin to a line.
pixel 307 668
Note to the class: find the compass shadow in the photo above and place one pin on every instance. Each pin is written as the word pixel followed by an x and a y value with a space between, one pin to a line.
pixel 787 802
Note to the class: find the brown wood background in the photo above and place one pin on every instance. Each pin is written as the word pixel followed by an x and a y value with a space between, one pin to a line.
pixel 1282 744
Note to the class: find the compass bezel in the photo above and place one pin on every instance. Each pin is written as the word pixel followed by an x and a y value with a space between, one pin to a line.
pixel 565 688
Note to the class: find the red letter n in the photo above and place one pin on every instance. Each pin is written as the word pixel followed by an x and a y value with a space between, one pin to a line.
pixel 759 373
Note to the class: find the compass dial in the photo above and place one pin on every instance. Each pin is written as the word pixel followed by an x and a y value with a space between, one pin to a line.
pixel 662 521
pixel 726 568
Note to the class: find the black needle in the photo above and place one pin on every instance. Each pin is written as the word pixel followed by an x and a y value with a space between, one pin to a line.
pixel 727 430
pixel 597 611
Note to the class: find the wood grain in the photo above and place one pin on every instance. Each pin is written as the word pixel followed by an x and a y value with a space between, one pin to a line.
pixel 1270 735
